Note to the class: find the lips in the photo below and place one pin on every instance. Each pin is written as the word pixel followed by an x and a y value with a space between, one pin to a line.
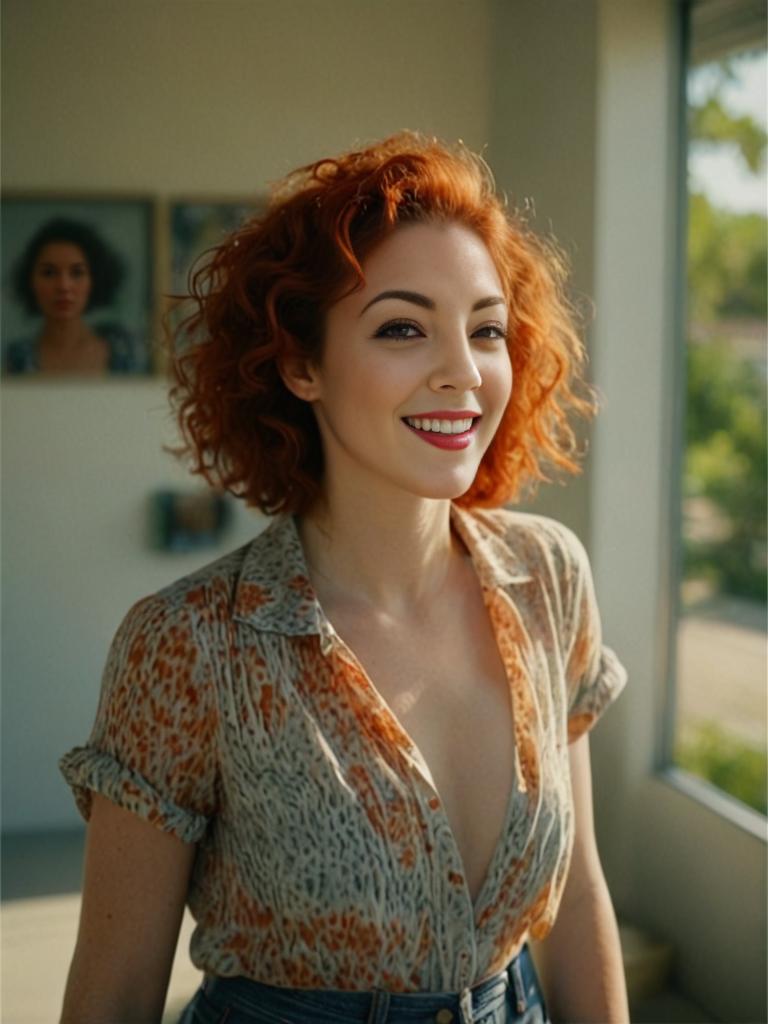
pixel 449 441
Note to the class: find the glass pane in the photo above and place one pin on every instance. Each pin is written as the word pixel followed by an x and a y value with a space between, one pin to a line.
pixel 720 730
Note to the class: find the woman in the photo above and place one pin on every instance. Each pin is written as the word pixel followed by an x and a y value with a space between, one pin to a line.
pixel 346 745
pixel 66 271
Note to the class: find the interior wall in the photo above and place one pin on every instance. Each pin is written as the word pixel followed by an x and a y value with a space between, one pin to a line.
pixel 190 95
pixel 182 97
pixel 542 151
pixel 79 464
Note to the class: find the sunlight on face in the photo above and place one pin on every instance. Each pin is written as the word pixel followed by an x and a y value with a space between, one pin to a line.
pixel 425 337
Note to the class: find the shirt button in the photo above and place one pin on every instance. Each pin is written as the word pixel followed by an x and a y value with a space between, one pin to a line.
pixel 444 1017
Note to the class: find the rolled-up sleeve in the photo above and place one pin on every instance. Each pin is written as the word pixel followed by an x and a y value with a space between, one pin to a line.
pixel 152 749
pixel 594 675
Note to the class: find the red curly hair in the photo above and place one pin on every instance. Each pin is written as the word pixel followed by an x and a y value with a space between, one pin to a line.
pixel 262 295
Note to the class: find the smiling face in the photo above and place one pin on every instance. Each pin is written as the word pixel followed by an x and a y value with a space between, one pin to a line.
pixel 408 361
pixel 61 281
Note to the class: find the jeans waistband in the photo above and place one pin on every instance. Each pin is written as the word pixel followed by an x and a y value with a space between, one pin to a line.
pixel 377 1006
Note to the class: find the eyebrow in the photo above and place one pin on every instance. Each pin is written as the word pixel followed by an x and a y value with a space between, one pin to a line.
pixel 426 303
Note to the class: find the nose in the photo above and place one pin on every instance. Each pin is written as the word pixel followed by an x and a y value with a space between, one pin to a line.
pixel 455 367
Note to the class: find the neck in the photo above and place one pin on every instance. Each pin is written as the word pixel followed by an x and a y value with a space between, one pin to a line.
pixel 393 557
pixel 65 334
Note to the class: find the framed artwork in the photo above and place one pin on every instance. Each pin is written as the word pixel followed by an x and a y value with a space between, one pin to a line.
pixel 77 285
pixel 186 521
pixel 196 226
pixel 192 228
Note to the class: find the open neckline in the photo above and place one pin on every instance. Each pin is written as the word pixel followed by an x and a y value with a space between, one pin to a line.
pixel 415 755
pixel 419 762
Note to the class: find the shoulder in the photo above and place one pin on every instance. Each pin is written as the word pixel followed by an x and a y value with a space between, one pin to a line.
pixel 262 584
pixel 199 603
pixel 21 355
pixel 533 543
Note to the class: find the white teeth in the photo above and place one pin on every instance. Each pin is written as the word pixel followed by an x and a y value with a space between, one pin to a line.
pixel 440 426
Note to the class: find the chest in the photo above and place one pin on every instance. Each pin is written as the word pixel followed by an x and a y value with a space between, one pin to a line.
pixel 90 358
pixel 447 686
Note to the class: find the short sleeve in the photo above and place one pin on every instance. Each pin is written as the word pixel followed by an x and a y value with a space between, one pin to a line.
pixel 594 675
pixel 152 749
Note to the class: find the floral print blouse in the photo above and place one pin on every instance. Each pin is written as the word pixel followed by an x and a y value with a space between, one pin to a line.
pixel 233 716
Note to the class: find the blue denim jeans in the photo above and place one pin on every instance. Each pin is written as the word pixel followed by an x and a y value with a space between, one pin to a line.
pixel 513 996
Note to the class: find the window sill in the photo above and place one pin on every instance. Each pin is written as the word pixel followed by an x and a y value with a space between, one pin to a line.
pixel 717 801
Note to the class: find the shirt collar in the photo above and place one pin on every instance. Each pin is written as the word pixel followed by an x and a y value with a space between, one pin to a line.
pixel 274 592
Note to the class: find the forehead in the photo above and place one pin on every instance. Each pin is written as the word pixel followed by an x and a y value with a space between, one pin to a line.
pixel 442 255
pixel 61 253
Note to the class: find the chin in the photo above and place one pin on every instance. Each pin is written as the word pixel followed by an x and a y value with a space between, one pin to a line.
pixel 450 487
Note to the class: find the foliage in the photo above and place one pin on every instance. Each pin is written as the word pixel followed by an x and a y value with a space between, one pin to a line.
pixel 711 123
pixel 726 450
pixel 726 459
pixel 727 263
pixel 726 762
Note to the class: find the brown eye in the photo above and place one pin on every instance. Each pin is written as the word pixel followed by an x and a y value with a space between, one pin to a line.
pixel 492 331
pixel 399 329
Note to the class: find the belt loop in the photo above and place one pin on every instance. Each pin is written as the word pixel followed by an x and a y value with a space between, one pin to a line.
pixel 465 1006
pixel 517 981
pixel 379 1007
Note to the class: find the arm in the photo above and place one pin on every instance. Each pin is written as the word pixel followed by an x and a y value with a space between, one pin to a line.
pixel 134 890
pixel 580 960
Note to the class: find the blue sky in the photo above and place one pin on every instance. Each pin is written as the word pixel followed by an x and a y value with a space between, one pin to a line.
pixel 722 175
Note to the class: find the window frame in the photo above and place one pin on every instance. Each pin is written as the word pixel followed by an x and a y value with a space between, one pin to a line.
pixel 713 15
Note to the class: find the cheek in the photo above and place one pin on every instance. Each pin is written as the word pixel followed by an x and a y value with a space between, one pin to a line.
pixel 500 380
pixel 41 286
pixel 367 382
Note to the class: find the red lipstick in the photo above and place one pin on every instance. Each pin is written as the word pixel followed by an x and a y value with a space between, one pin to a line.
pixel 452 442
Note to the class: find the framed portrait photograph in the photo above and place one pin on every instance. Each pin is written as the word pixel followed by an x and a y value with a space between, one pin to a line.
pixel 77 285
pixel 195 227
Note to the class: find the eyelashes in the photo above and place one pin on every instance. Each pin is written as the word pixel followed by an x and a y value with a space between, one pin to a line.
pixel 499 331
pixel 405 330
pixel 396 329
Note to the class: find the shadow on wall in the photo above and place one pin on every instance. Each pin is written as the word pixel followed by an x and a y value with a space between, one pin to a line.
pixel 41 863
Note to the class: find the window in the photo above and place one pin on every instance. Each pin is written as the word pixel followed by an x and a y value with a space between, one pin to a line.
pixel 721 685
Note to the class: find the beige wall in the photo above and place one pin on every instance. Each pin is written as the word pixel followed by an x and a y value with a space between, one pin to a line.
pixel 171 97
pixel 224 95
pixel 542 148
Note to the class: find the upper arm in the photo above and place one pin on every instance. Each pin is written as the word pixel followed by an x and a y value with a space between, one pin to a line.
pixel 585 869
pixel 134 889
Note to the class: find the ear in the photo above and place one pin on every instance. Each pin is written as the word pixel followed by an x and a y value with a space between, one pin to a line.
pixel 300 377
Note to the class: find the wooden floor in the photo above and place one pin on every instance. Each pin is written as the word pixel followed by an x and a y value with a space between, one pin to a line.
pixel 41 901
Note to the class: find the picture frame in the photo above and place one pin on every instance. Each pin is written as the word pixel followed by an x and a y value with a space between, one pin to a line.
pixel 192 227
pixel 182 521
pixel 196 225
pixel 117 234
